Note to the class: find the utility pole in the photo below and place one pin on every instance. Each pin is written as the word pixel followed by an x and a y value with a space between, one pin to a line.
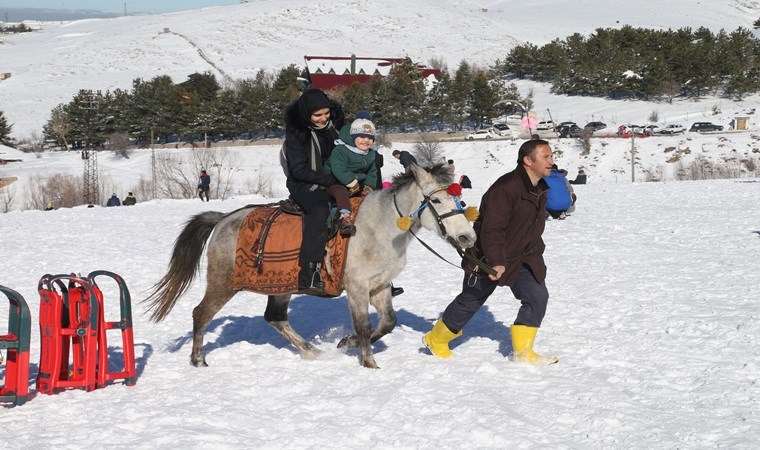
pixel 633 156
pixel 125 9
pixel 152 165
pixel 91 189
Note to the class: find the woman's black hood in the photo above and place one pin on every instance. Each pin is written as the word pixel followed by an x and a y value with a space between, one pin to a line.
pixel 298 113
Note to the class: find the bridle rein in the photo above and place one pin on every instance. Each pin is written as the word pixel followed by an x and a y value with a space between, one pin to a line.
pixel 426 202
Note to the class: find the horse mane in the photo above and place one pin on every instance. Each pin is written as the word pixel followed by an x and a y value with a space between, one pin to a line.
pixel 440 172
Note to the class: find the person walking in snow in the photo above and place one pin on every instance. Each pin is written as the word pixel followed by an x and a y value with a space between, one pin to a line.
pixel 204 185
pixel 405 158
pixel 509 239
pixel 560 200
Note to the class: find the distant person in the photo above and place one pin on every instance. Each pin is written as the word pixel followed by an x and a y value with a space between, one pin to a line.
pixel 113 201
pixel 130 200
pixel 580 178
pixel 560 197
pixel 405 158
pixel 535 137
pixel 49 206
pixel 379 162
pixel 465 182
pixel 452 166
pixel 204 185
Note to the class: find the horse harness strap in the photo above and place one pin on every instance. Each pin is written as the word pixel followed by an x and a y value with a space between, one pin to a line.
pixel 439 218
pixel 258 245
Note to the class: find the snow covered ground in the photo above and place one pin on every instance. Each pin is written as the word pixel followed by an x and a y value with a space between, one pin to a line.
pixel 653 314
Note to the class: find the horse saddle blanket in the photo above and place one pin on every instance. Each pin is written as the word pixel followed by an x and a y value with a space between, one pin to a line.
pixel 268 244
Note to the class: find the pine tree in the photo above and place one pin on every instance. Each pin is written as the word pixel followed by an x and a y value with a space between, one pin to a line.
pixel 406 92
pixel 437 107
pixel 355 97
pixel 483 98
pixel 379 103
pixel 5 131
pixel 461 89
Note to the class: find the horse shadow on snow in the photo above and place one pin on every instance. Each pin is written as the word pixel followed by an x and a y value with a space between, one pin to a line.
pixel 316 317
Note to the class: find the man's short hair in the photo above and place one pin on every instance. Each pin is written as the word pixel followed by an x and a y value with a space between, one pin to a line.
pixel 396 152
pixel 528 148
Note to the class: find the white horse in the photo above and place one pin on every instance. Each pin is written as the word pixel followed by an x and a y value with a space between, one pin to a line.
pixel 376 255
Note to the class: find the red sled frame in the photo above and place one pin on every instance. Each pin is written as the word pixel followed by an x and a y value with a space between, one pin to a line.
pixel 16 342
pixel 74 322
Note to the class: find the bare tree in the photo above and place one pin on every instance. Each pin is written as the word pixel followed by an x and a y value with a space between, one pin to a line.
pixel 62 190
pixel 178 177
pixel 7 198
pixel 261 185
pixel 427 150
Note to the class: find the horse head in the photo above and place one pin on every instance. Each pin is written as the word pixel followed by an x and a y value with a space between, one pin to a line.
pixel 436 205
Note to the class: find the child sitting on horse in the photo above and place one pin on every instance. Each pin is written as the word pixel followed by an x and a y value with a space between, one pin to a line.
pixel 352 163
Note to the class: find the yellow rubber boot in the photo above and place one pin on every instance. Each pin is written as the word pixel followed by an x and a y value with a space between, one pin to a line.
pixel 523 337
pixel 437 340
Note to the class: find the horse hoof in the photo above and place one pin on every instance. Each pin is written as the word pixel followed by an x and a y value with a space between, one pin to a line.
pixel 370 364
pixel 311 354
pixel 198 363
pixel 348 342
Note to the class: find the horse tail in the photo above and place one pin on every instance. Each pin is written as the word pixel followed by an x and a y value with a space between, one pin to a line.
pixel 184 263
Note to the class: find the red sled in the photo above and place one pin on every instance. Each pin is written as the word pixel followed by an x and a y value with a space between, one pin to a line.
pixel 72 324
pixel 128 372
pixel 16 342
pixel 68 328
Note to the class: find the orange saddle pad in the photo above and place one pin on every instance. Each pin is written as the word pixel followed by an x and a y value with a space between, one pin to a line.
pixel 266 259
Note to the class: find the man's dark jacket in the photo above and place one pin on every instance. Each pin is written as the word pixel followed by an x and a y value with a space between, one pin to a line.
pixel 510 225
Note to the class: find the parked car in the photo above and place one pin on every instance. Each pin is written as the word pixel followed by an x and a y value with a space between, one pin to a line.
pixel 562 125
pixel 545 125
pixel 594 126
pixel 673 128
pixel 652 129
pixel 573 131
pixel 502 129
pixel 479 134
pixel 705 126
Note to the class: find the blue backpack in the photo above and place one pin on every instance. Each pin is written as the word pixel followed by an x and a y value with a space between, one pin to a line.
pixel 558 198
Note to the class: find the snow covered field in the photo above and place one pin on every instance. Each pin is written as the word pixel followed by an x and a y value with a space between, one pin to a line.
pixel 653 314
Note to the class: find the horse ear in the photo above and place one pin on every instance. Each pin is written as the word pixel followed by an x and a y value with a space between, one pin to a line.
pixel 419 173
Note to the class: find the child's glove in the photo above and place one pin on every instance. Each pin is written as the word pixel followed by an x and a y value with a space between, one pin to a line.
pixel 353 187
pixel 367 189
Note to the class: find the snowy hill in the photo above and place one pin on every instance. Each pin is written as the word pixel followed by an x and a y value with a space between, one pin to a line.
pixel 49 66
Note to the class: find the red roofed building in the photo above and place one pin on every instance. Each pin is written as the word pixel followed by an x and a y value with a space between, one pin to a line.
pixel 328 72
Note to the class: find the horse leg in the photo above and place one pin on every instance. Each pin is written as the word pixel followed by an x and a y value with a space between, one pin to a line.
pixel 358 305
pixel 276 315
pixel 383 303
pixel 217 295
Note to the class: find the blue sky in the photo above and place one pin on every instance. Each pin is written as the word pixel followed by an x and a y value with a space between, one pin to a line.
pixel 152 6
